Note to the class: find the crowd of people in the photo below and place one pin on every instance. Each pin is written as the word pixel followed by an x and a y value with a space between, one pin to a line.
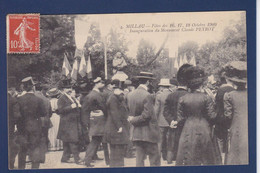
pixel 182 122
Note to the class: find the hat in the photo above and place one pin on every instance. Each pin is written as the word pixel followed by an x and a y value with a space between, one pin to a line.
pixel 107 82
pixel 164 82
pixel 181 74
pixel 236 71
pixel 66 83
pixel 145 75
pixel 116 83
pixel 40 86
pixel 97 80
pixel 53 92
pixel 195 77
pixel 28 81
pixel 128 82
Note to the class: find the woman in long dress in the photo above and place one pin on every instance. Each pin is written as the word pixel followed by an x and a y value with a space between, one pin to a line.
pixel 55 144
pixel 196 111
pixel 236 114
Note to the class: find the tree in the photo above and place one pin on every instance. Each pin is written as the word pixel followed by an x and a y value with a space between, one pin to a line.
pixel 146 50
pixel 203 55
pixel 158 62
pixel 213 56
pixel 189 49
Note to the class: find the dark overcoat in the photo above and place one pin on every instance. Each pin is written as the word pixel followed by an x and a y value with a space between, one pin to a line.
pixel 70 127
pixel 12 115
pixel 29 126
pixel 106 93
pixel 47 104
pixel 236 111
pixel 145 124
pixel 170 114
pixel 92 102
pixel 196 146
pixel 221 127
pixel 13 146
pixel 116 117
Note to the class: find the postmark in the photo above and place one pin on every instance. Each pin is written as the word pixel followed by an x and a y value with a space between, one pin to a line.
pixel 23 33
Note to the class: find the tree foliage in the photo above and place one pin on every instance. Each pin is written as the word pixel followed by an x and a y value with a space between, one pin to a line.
pixel 212 56
pixel 57 38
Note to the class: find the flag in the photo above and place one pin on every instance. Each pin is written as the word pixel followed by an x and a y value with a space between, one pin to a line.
pixel 66 68
pixel 83 67
pixel 89 69
pixel 185 61
pixel 81 28
pixel 176 64
pixel 79 53
pixel 74 71
pixel 193 61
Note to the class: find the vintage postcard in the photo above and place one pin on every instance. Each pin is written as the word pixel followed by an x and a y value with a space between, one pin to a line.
pixel 127 90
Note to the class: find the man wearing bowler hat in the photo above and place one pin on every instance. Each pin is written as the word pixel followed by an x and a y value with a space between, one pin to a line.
pixel 69 127
pixel 159 107
pixel 145 130
pixel 29 126
pixel 93 116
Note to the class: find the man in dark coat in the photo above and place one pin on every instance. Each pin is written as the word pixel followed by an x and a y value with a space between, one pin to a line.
pixel 93 116
pixel 41 93
pixel 145 130
pixel 221 127
pixel 107 91
pixel 170 113
pixel 29 126
pixel 12 120
pixel 116 128
pixel 70 127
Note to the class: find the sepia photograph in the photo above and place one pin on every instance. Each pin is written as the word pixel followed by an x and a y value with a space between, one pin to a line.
pixel 127 90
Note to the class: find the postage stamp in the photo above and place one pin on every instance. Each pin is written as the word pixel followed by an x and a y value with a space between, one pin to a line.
pixel 23 33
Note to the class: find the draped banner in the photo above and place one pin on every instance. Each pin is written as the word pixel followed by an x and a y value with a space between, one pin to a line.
pixel 81 33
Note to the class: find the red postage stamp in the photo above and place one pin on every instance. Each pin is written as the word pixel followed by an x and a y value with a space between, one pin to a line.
pixel 23 33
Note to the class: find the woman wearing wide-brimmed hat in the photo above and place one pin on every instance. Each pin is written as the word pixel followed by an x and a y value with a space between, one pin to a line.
pixel 236 113
pixel 196 111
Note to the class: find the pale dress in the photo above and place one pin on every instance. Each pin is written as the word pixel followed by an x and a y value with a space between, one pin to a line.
pixel 55 144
